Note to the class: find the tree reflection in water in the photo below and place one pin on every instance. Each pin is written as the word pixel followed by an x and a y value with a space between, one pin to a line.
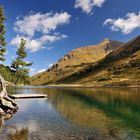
pixel 19 135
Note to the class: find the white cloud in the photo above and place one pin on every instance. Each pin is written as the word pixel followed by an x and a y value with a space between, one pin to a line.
pixel 32 71
pixel 50 65
pixel 88 5
pixel 52 38
pixel 37 44
pixel 42 70
pixel 44 23
pixel 32 44
pixel 49 48
pixel 125 25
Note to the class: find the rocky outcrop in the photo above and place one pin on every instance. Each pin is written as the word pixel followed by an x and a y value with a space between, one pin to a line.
pixel 7 105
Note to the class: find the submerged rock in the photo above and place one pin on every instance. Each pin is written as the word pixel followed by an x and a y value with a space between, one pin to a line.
pixel 7 107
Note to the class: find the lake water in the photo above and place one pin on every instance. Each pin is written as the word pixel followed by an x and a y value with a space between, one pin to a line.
pixel 75 114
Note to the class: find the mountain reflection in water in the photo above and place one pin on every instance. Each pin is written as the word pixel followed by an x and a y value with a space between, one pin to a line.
pixel 76 114
pixel 110 110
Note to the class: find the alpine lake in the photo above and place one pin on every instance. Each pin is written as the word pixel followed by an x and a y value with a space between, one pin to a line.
pixel 74 114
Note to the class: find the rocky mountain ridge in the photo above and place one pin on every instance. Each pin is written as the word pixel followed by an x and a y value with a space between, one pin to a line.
pixel 75 61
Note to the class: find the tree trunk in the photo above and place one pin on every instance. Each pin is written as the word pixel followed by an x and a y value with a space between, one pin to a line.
pixel 6 103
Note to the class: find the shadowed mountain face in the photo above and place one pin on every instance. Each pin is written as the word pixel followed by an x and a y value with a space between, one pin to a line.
pixel 74 62
pixel 121 67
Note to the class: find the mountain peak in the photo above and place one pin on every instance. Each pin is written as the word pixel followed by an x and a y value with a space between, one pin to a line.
pixel 75 61
pixel 106 40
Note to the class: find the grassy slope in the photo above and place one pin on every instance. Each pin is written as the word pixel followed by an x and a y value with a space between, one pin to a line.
pixel 119 68
pixel 74 62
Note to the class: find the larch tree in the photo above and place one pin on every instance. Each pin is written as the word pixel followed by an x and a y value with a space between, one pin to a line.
pixel 20 66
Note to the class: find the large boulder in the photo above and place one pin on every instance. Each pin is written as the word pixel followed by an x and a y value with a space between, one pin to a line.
pixel 7 107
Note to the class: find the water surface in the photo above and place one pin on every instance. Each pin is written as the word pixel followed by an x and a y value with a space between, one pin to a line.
pixel 75 114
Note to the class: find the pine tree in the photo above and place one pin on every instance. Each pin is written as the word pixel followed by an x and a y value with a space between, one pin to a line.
pixel 2 35
pixel 19 65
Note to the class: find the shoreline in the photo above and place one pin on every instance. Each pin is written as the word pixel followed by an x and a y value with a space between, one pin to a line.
pixel 93 86
pixel 77 86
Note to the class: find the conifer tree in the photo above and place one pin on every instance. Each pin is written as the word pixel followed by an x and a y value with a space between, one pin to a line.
pixel 19 65
pixel 2 35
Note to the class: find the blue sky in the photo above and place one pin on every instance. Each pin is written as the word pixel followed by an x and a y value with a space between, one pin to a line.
pixel 52 28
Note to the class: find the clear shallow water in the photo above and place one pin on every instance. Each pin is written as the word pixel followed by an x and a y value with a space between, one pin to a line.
pixel 75 114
